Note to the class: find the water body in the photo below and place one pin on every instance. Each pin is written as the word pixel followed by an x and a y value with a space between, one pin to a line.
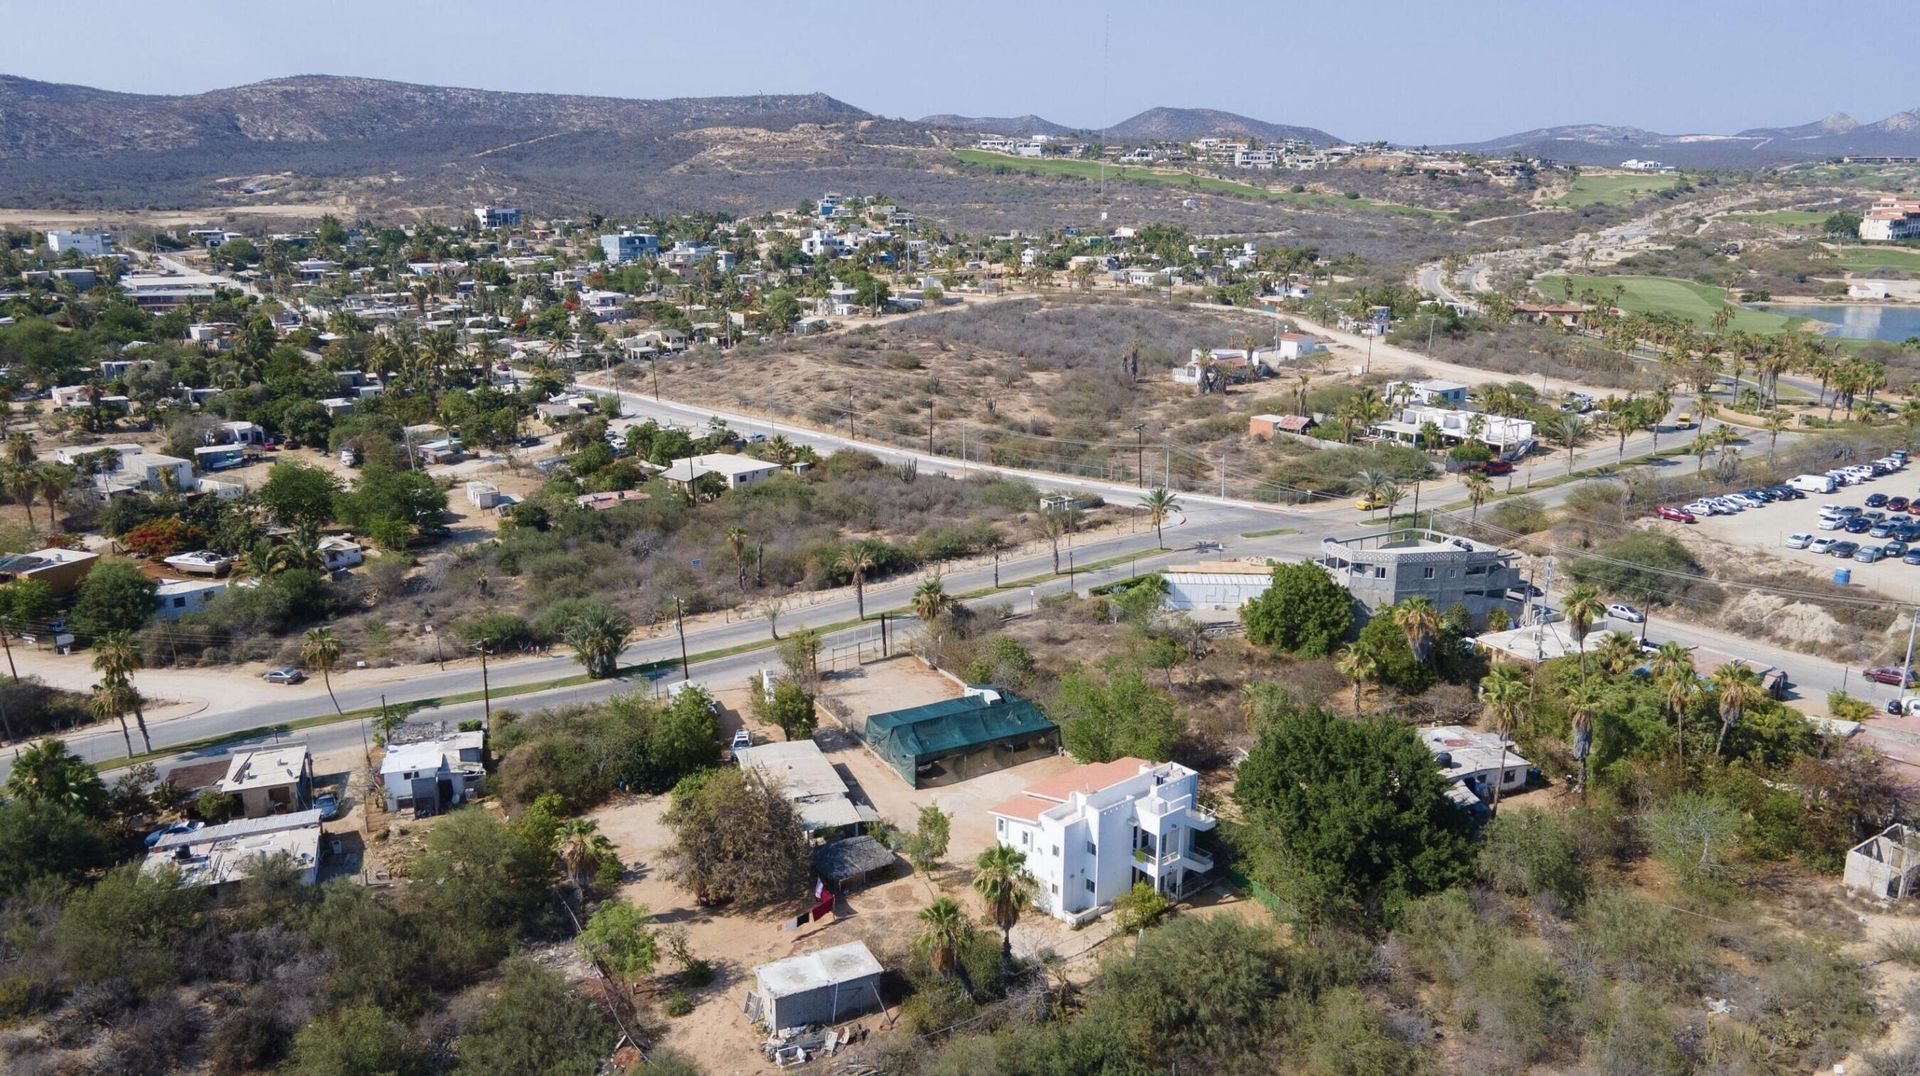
pixel 1861 321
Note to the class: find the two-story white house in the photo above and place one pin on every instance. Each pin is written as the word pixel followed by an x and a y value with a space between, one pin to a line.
pixel 1089 834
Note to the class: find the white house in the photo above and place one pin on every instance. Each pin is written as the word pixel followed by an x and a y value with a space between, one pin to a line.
pixel 1498 432
pixel 272 780
pixel 1472 761
pixel 1294 346
pixel 735 471
pixel 175 598
pixel 433 775
pixel 1089 834
pixel 1432 392
pixel 337 553
pixel 149 471
pixel 217 855
pixel 85 244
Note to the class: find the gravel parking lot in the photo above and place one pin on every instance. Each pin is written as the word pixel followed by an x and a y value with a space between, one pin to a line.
pixel 1766 528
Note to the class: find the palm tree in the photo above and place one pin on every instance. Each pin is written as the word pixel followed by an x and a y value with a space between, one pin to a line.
pixel 52 482
pixel 857 560
pixel 1583 607
pixel 1737 687
pixel 582 847
pixel 1420 620
pixel 47 772
pixel 1002 881
pixel 115 699
pixel 1584 702
pixel 1360 668
pixel 321 650
pixel 1053 525
pixel 737 542
pixel 116 657
pixel 1479 488
pixel 947 929
pixel 1503 695
pixel 1567 431
pixel 1777 421
pixel 23 486
pixel 1617 652
pixel 1159 503
pixel 930 599
pixel 597 636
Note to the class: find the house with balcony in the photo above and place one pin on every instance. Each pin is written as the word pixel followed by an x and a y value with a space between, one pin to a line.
pixel 1093 832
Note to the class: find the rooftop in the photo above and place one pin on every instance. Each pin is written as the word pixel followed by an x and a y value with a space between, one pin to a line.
pixel 807 780
pixel 811 971
pixel 981 716
pixel 267 768
pixel 227 853
pixel 1463 751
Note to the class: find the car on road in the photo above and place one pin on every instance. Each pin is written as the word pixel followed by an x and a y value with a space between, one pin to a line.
pixel 1623 611
pixel 1844 550
pixel 1497 467
pixel 1877 499
pixel 1677 515
pixel 329 805
pixel 283 674
pixel 1799 541
pixel 1822 546
pixel 1888 674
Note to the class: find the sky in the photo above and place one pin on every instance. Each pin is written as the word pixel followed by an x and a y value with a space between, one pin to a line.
pixel 1406 71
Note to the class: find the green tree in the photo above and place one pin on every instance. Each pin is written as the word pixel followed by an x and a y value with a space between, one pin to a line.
pixel 792 709
pixel 930 599
pixel 1420 621
pixel 1736 689
pixel 1118 715
pixel 358 1041
pixel 1159 503
pixel 622 938
pixel 1138 908
pixel 1303 611
pixel 38 839
pixel 391 506
pixel 1583 607
pixel 1001 878
pixel 1527 853
pixel 582 848
pixel 944 931
pixel 128 925
pixel 1349 819
pixel 116 657
pixel 598 633
pixel 479 883
pixel 47 772
pixel 733 839
pixel 298 493
pixel 114 597
pixel 857 560
pixel 1503 698
pixel 1693 832
pixel 687 736
pixel 320 649
pixel 926 846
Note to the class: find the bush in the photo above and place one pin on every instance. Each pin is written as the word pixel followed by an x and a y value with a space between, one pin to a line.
pixel 163 537
pixel 1138 908
pixel 1640 564
pixel 1527 853
pixel 678 1003
pixel 113 597
pixel 1303 611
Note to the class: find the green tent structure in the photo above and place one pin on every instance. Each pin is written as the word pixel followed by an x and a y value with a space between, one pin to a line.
pixel 986 729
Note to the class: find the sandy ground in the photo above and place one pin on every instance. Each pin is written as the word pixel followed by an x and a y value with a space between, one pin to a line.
pixel 1767 529
pixel 50 218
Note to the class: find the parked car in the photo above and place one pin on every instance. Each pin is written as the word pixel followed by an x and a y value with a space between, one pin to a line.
pixel 1788 493
pixel 283 674
pixel 1898 504
pixel 329 805
pixel 1822 546
pixel 1831 523
pixel 1799 541
pixel 1867 554
pixel 1887 674
pixel 1677 515
pixel 1858 525
pixel 1702 508
pixel 1882 529
pixel 1623 611
pixel 1844 550
pixel 1912 556
pixel 1893 549
pixel 1876 500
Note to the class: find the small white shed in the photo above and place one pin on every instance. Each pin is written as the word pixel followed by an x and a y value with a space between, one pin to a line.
pixel 825 987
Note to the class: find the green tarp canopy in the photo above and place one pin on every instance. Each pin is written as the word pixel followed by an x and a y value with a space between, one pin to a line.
pixel 908 738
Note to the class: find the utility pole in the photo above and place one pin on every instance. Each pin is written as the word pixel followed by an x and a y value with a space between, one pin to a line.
pixel 680 625
pixel 850 415
pixel 929 425
pixel 654 365
pixel 486 688
pixel 1368 368
pixel 996 569
pixel 6 629
pixel 1070 587
pixel 883 635
pixel 1139 451
pixel 1906 669
pixel 1166 479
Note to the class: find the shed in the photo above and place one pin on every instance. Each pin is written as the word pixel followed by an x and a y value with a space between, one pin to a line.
pixel 854 859
pixel 1886 866
pixel 816 988
pixel 952 740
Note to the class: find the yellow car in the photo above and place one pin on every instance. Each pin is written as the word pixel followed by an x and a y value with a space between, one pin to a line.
pixel 1684 420
pixel 1366 505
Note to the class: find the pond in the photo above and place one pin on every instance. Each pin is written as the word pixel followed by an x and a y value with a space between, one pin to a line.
pixel 1862 321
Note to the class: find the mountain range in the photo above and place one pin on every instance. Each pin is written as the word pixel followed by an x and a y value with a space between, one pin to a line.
pixel 1153 125
pixel 1837 135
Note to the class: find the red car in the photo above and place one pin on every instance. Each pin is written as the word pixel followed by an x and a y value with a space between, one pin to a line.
pixel 1886 674
pixel 1678 515
pixel 1497 467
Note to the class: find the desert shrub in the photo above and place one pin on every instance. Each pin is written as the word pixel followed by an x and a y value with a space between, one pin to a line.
pixel 1526 853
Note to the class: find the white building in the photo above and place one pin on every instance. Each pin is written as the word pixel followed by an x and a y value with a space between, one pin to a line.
pixel 735 471
pixel 1496 431
pixel 217 855
pixel 1472 761
pixel 1089 834
pixel 175 598
pixel 1891 218
pixel 1432 392
pixel 85 244
pixel 1215 585
pixel 494 216
pixel 1294 346
pixel 433 775
pixel 804 778
pixel 148 471
pixel 272 780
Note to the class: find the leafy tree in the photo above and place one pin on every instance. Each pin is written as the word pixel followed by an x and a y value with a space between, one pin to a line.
pixel 127 925
pixel 1526 853
pixel 1138 908
pixel 800 653
pixel 1693 832
pixel 735 839
pixel 927 844
pixel 1002 880
pixel 300 493
pixel 38 839
pixel 1120 716
pixel 1303 611
pixel 478 882
pixel 392 506
pixel 26 602
pixel 113 597
pixel 47 772
pixel 687 736
pixel 357 1041
pixel 621 937
pixel 1349 819
pixel 792 708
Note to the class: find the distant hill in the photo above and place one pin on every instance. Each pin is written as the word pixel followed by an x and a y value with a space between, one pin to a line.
pixel 39 119
pixel 1000 125
pixel 1185 124
pixel 1837 135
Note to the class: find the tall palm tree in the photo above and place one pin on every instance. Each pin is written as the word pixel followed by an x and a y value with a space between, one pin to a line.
pixel 1002 881
pixel 115 699
pixel 1737 688
pixel 1582 704
pixel 737 542
pixel 946 930
pixel 1617 652
pixel 1420 621
pixel 1360 668
pixel 857 560
pixel 52 481
pixel 1583 607
pixel 24 487
pixel 1503 695
pixel 18 450
pixel 116 657
pixel 320 649
pixel 1053 524
pixel 930 599
pixel 582 847
pixel 1159 503
pixel 1479 488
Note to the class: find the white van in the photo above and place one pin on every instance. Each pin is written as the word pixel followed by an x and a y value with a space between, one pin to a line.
pixel 1812 483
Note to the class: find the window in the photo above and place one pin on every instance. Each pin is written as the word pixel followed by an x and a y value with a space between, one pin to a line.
pixel 1092 850
pixel 1001 823
pixel 1054 888
pixel 1089 885
pixel 1427 572
pixel 1056 851
pixel 1380 573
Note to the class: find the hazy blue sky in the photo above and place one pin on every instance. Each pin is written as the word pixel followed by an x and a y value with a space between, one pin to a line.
pixel 1408 71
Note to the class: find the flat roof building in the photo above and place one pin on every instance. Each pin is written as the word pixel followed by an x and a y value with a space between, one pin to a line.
pixel 1472 762
pixel 815 988
pixel 1218 585
pixel 60 569
pixel 272 780
pixel 941 743
pixel 805 779
pixel 735 471
pixel 218 855
pixel 1390 566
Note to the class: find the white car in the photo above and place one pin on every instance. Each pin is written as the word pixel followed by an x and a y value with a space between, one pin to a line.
pixel 1623 611
pixel 1822 546
pixel 1832 523
pixel 1729 505
pixel 1799 541
pixel 1750 502
pixel 1702 508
